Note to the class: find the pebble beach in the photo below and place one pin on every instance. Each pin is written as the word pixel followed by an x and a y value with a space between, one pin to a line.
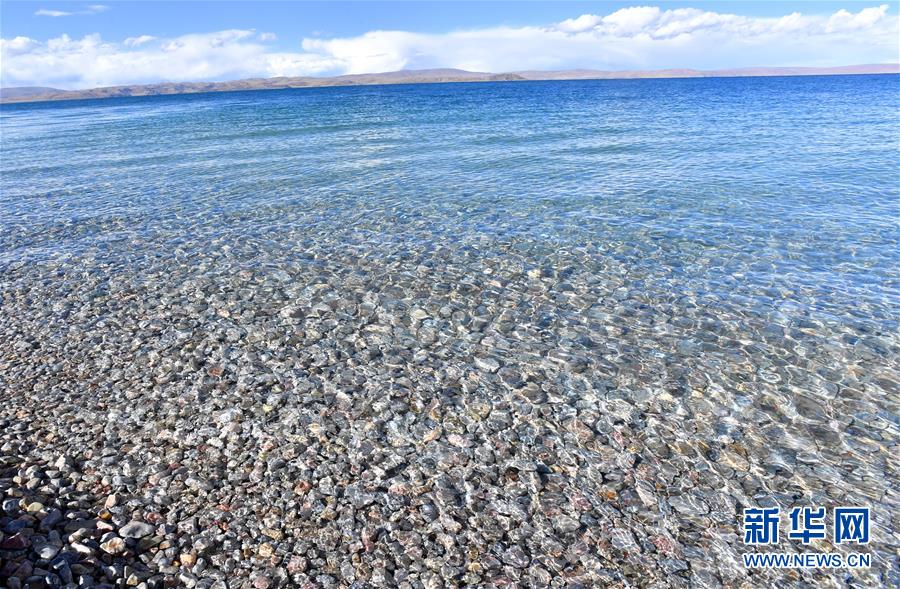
pixel 550 334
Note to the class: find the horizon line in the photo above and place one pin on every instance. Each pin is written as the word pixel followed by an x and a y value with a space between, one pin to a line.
pixel 424 76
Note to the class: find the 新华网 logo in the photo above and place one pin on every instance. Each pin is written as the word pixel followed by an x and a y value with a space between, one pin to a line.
pixel 849 525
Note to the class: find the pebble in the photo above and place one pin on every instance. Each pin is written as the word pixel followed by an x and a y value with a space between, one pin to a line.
pixel 487 364
pixel 136 529
pixel 113 546
pixel 47 551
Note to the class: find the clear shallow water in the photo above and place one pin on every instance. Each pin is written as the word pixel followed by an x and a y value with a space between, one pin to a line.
pixel 791 181
pixel 712 261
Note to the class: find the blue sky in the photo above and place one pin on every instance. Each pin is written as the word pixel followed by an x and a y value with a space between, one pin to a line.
pixel 292 21
pixel 82 44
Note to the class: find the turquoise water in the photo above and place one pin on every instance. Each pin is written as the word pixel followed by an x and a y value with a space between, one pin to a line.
pixel 706 269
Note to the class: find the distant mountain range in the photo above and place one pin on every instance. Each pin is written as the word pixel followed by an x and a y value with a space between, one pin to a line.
pixel 34 94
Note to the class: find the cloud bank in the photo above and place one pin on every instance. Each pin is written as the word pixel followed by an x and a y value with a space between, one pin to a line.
pixel 641 37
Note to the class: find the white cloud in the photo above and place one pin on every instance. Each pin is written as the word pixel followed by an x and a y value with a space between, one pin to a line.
pixel 90 9
pixel 847 21
pixel 584 22
pixel 89 62
pixel 55 13
pixel 139 40
pixel 17 46
pixel 630 21
pixel 641 37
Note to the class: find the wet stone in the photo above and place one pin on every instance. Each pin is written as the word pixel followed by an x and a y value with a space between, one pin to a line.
pixel 487 364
